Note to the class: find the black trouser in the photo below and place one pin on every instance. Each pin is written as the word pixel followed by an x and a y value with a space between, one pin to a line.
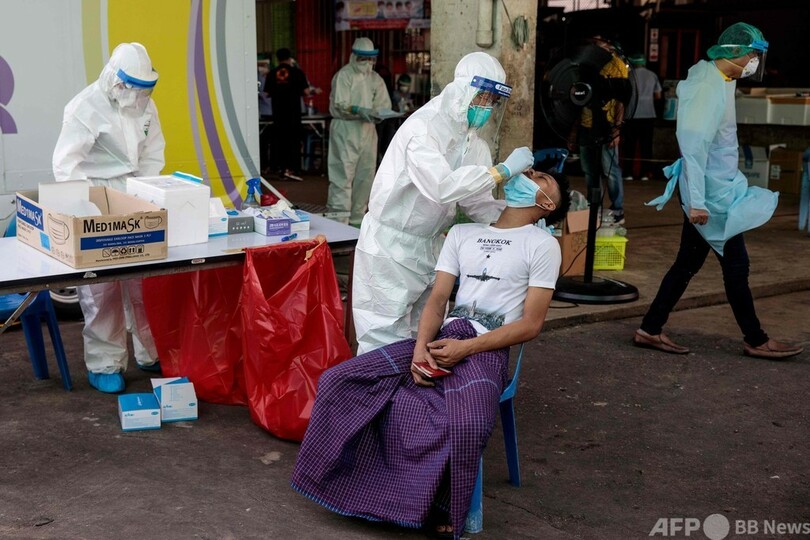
pixel 638 131
pixel 264 145
pixel 691 255
pixel 286 145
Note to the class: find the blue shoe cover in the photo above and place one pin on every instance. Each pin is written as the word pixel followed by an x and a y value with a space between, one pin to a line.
pixel 110 383
pixel 154 368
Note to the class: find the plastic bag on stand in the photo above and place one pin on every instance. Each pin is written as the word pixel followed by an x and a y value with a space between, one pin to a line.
pixel 197 327
pixel 292 320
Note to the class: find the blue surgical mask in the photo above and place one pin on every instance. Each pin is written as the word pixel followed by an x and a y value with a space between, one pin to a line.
pixel 520 192
pixel 477 115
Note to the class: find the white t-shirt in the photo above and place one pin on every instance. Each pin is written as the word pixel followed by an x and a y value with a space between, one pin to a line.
pixel 497 266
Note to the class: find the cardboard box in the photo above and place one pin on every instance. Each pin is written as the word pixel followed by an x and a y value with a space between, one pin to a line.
pixel 272 226
pixel 187 203
pixel 138 412
pixel 785 171
pixel 573 242
pixel 129 230
pixel 176 398
pixel 754 165
pixel 281 226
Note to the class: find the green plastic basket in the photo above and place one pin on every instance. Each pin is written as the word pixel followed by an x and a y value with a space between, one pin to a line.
pixel 609 253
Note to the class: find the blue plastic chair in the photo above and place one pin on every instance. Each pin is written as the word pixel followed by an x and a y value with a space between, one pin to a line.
pixel 475 516
pixel 41 309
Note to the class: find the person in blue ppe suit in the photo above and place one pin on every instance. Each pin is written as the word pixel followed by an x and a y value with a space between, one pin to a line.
pixel 439 160
pixel 718 204
pixel 358 96
pixel 110 131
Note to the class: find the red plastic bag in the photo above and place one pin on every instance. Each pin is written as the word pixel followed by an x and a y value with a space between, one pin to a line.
pixel 292 319
pixel 197 327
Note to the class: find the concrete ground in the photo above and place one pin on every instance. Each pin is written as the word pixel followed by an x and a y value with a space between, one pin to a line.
pixel 612 438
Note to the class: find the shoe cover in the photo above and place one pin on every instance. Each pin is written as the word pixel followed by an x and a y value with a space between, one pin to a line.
pixel 154 368
pixel 110 383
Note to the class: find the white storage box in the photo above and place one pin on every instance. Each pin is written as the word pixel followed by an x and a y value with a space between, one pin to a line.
pixel 176 398
pixel 138 412
pixel 789 110
pixel 187 203
pixel 752 109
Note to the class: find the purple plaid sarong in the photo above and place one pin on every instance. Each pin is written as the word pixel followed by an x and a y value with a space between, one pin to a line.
pixel 378 446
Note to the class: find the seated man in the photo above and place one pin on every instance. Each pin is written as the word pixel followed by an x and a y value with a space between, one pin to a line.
pixel 387 443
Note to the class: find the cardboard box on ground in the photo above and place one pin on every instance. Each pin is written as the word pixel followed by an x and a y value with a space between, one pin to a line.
pixel 775 168
pixel 785 168
pixel 573 242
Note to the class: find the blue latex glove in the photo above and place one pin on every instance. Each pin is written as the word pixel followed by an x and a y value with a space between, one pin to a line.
pixel 367 115
pixel 518 161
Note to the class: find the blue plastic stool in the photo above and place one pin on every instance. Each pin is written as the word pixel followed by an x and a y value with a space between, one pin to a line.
pixel 41 309
pixel 475 516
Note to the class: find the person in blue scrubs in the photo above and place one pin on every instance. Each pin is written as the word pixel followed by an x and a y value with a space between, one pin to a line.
pixel 718 204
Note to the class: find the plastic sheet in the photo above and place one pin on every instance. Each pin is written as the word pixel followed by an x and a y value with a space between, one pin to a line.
pixel 292 319
pixel 197 328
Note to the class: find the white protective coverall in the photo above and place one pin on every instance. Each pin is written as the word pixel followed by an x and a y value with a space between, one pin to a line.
pixel 353 136
pixel 105 143
pixel 435 162
pixel 708 172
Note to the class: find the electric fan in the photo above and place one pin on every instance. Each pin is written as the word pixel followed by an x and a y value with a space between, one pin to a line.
pixel 587 96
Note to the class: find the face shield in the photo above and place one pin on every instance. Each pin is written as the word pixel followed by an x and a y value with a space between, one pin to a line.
pixel 487 103
pixel 744 46
pixel 754 68
pixel 364 55
pixel 364 64
pixel 132 94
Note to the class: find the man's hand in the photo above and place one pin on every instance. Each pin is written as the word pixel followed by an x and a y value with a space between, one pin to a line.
pixel 422 355
pixel 449 352
pixel 698 216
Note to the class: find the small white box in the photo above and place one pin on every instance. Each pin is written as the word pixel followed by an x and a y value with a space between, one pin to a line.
pixel 138 412
pixel 295 221
pixel 176 398
pixel 187 204
pixel 302 224
pixel 272 226
pixel 217 217
pixel 754 165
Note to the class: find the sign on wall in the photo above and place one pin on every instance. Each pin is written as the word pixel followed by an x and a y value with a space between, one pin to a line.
pixel 378 14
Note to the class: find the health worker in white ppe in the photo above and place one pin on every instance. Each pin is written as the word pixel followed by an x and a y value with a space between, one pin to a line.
pixel 110 131
pixel 439 159
pixel 358 97
pixel 718 204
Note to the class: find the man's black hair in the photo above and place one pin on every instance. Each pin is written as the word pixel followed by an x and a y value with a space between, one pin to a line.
pixel 558 214
pixel 283 54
